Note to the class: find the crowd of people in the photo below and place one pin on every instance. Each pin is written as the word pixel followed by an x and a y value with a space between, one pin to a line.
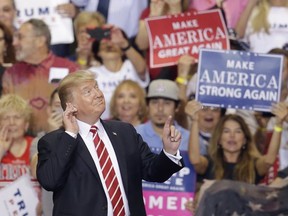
pixel 50 96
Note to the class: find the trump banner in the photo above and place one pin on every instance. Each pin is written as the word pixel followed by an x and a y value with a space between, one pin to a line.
pixel 175 35
pixel 18 198
pixel 169 198
pixel 239 80
pixel 61 28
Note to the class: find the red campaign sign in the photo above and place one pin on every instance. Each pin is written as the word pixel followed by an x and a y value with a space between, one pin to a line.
pixel 173 36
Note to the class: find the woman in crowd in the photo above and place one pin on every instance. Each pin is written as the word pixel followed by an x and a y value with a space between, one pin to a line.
pixel 263 24
pixel 14 144
pixel 232 9
pixel 128 103
pixel 208 118
pixel 119 61
pixel 84 55
pixel 232 153
pixel 8 13
pixel 7 54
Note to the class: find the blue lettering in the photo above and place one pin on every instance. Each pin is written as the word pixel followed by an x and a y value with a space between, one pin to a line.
pixel 18 193
pixel 43 11
pixel 21 205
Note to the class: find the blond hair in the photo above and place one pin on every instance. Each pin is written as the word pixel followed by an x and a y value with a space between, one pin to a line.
pixel 245 167
pixel 85 17
pixel 72 80
pixel 13 102
pixel 260 19
pixel 140 92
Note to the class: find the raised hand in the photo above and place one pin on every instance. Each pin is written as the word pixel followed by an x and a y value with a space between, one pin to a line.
pixel 69 119
pixel 280 111
pixel 55 120
pixel 66 10
pixel 157 8
pixel 184 65
pixel 171 137
pixel 5 141
pixel 192 108
pixel 118 38
pixel 173 3
pixel 84 45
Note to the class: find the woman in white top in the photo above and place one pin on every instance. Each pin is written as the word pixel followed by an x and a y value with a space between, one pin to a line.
pixel 120 61
pixel 264 24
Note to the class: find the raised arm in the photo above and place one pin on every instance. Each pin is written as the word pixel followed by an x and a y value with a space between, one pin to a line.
pixel 266 161
pixel 184 67
pixel 142 39
pixel 156 9
pixel 56 152
pixel 131 53
pixel 199 162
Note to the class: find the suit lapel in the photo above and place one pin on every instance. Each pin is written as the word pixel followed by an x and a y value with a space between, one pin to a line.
pixel 86 157
pixel 119 149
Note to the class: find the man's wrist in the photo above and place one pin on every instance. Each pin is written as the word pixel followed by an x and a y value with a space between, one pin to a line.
pixel 72 134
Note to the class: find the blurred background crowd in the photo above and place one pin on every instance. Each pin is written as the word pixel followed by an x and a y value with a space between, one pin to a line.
pixel 238 145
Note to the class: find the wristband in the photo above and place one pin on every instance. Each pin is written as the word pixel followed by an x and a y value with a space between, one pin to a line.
pixel 126 48
pixel 82 62
pixel 278 129
pixel 181 80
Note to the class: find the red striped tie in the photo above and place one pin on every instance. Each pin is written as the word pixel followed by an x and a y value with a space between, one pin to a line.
pixel 109 174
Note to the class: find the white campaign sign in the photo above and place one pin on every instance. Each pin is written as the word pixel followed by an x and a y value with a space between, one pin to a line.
pixel 61 28
pixel 18 198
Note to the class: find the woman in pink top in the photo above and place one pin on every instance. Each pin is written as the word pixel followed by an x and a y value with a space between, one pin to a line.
pixel 232 8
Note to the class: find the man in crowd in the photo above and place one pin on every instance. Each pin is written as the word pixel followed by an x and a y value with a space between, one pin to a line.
pixel 96 167
pixel 37 72
pixel 162 100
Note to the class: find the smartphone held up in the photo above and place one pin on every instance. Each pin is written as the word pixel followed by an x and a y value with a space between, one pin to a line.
pixel 99 33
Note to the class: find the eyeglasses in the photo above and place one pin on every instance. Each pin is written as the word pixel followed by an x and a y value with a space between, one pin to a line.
pixel 206 108
pixel 21 37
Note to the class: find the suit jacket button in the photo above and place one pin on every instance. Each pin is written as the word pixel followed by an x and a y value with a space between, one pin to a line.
pixel 104 207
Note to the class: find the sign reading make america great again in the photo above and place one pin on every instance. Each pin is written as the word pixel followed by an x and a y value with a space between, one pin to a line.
pixel 240 80
pixel 175 35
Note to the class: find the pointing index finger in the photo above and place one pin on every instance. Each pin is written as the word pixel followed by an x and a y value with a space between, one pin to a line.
pixel 168 122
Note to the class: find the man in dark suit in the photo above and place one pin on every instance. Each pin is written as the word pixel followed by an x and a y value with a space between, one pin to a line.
pixel 69 166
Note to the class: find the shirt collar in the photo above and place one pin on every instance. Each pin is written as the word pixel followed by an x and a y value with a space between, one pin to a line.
pixel 84 128
pixel 45 63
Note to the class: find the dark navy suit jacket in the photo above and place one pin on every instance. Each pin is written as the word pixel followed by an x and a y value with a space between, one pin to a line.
pixel 66 167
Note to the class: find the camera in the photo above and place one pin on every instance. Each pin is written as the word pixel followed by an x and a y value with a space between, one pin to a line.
pixel 99 33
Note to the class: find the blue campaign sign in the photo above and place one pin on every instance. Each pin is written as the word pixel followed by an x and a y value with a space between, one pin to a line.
pixel 237 79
